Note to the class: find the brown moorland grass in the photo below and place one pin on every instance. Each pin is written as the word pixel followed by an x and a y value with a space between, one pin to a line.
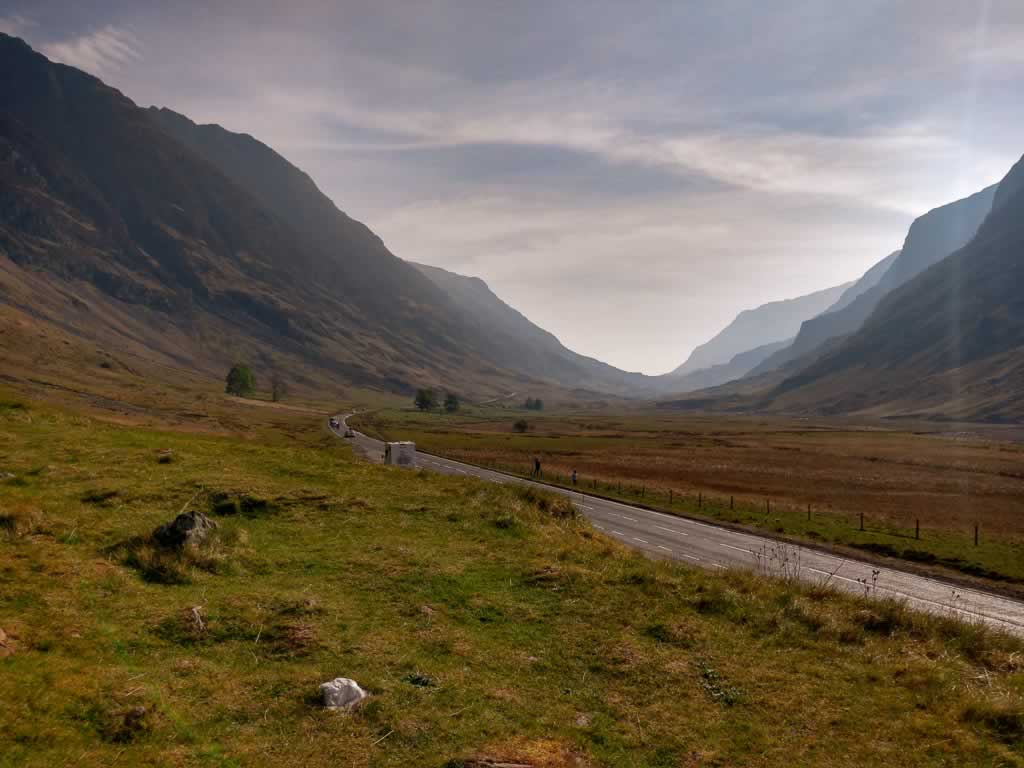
pixel 774 470
pixel 486 622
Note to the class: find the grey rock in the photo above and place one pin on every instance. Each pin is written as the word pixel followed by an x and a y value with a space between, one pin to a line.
pixel 341 694
pixel 187 529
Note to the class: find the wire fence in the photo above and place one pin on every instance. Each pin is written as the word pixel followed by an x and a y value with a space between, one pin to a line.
pixel 731 508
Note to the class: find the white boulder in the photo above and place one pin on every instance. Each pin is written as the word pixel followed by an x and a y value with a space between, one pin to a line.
pixel 341 694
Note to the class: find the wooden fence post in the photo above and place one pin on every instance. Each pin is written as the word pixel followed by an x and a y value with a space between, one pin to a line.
pixel 862 521
pixel 731 503
pixel 700 500
pixel 975 534
pixel 917 528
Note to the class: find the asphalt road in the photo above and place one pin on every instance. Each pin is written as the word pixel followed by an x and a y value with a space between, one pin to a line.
pixel 709 546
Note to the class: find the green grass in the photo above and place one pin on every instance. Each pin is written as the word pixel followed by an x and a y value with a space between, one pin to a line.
pixel 483 620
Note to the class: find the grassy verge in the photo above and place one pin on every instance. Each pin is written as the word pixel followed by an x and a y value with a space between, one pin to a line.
pixel 485 621
pixel 932 543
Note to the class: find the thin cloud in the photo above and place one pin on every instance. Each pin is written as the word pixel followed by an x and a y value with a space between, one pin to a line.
pixel 16 25
pixel 100 52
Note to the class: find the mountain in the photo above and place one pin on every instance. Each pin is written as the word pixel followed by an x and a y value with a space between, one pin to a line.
pixel 867 281
pixel 194 247
pixel 525 344
pixel 946 344
pixel 753 328
pixel 949 342
pixel 716 375
pixel 930 239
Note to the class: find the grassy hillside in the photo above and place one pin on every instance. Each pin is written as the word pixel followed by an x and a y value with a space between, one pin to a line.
pixel 485 623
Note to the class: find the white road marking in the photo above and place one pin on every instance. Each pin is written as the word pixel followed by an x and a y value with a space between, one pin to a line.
pixel 835 576
pixel 691 557
pixel 671 530
pixel 619 533
pixel 738 549
pixel 665 548
pixel 631 519
pixel 642 541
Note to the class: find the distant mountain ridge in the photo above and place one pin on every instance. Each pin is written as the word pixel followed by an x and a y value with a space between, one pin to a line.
pixel 716 375
pixel 946 344
pixel 533 347
pixel 752 328
pixel 867 281
pixel 930 239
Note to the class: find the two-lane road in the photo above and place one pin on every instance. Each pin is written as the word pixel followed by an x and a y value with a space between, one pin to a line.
pixel 710 546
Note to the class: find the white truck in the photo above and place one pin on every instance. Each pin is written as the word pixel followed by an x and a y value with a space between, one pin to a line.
pixel 401 454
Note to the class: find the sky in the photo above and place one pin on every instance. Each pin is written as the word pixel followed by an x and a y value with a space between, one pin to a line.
pixel 628 175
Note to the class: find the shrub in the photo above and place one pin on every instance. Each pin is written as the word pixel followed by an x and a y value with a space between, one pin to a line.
pixel 451 403
pixel 520 425
pixel 426 399
pixel 240 381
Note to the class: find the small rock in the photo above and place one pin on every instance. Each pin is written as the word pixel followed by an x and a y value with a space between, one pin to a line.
pixel 188 528
pixel 583 720
pixel 341 694
pixel 426 610
pixel 6 646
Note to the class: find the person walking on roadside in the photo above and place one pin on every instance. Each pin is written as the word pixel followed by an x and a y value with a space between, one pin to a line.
pixel 574 477
pixel 536 467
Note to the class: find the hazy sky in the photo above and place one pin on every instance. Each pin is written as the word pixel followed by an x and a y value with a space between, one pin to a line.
pixel 629 175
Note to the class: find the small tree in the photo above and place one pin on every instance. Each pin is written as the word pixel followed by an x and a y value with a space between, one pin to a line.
pixel 520 425
pixel 278 388
pixel 538 404
pixel 528 405
pixel 451 403
pixel 426 399
pixel 240 381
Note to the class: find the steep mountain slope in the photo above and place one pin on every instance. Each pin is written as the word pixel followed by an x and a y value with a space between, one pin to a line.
pixel 752 328
pixel 868 280
pixel 949 342
pixel 931 238
pixel 528 345
pixel 196 247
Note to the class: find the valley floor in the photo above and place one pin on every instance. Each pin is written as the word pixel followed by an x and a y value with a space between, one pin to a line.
pixel 485 621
